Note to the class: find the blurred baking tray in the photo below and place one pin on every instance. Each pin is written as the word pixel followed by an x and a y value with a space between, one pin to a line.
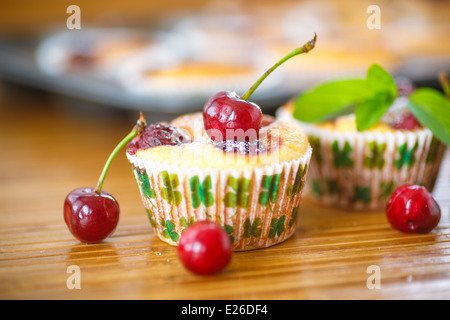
pixel 18 65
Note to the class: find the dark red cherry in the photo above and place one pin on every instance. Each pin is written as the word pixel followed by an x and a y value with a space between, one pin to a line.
pixel 406 122
pixel 91 217
pixel 157 135
pixel 412 209
pixel 204 248
pixel 227 116
pixel 92 214
pixel 224 113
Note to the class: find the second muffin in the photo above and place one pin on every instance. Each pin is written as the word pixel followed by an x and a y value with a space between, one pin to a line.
pixel 254 195
pixel 360 170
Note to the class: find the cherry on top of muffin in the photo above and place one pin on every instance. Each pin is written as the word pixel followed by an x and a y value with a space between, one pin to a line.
pixel 157 134
pixel 227 116
pixel 372 97
pixel 231 122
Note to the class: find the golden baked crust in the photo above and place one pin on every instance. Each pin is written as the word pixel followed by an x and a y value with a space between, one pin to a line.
pixel 285 139
pixel 345 123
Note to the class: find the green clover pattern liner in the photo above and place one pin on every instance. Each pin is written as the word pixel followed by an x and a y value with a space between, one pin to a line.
pixel 256 207
pixel 360 170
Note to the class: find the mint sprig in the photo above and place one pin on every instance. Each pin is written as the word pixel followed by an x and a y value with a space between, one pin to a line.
pixel 369 99
pixel 331 99
pixel 432 110
pixel 384 92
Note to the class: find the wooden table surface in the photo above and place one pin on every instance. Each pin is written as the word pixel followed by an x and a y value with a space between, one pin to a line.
pixel 47 150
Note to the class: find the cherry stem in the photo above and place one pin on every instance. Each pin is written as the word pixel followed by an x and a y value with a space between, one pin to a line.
pixel 444 82
pixel 137 129
pixel 303 49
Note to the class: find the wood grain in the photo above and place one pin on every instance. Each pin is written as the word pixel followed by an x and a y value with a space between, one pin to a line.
pixel 48 150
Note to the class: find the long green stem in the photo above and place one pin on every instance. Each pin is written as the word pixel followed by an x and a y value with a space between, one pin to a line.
pixel 303 49
pixel 443 80
pixel 138 128
pixel 121 144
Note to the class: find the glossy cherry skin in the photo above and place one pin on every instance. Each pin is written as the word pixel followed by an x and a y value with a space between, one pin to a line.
pixel 91 217
pixel 204 248
pixel 412 209
pixel 226 111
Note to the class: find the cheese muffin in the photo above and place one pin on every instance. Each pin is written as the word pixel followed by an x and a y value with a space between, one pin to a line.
pixel 253 190
pixel 359 170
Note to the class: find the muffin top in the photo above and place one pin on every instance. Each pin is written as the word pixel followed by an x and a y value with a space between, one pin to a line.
pixel 398 117
pixel 189 145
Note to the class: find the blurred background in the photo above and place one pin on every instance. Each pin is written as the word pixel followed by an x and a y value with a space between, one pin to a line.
pixel 168 57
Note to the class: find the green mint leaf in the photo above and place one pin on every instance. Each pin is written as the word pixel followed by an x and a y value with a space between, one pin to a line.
pixel 379 80
pixel 331 99
pixel 370 111
pixel 369 98
pixel 432 110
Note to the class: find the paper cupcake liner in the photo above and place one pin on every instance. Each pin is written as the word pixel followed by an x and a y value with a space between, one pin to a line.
pixel 360 170
pixel 256 207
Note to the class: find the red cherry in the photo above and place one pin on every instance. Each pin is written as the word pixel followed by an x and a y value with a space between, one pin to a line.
pixel 229 117
pixel 92 214
pixel 91 217
pixel 412 209
pixel 204 248
pixel 225 112
pixel 406 122
pixel 157 135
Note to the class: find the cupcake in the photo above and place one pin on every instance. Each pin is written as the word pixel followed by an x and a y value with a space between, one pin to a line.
pixel 358 169
pixel 253 190
pixel 229 164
